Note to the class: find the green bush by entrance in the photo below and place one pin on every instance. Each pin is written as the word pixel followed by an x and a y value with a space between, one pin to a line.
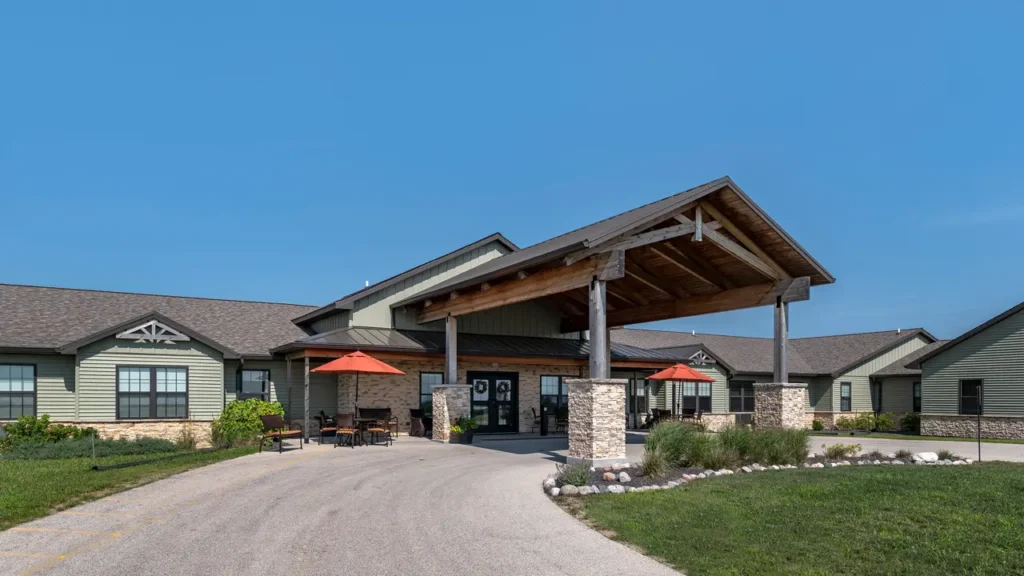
pixel 240 425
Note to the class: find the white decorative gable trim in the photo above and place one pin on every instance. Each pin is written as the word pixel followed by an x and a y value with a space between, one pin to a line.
pixel 153 331
pixel 701 358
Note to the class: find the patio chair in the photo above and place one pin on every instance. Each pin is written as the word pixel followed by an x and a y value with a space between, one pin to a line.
pixel 562 420
pixel 275 428
pixel 536 420
pixel 327 425
pixel 416 427
pixel 381 424
pixel 346 427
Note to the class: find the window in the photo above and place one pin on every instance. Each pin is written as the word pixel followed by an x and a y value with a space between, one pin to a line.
pixel 844 397
pixel 696 397
pixel 253 384
pixel 427 382
pixel 741 396
pixel 152 392
pixel 17 391
pixel 554 393
pixel 970 397
pixel 917 396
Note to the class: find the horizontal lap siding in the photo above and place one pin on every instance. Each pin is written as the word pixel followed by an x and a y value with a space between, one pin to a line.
pixel 898 394
pixel 819 395
pixel 97 375
pixel 860 376
pixel 995 355
pixel 719 390
pixel 323 391
pixel 278 377
pixel 55 383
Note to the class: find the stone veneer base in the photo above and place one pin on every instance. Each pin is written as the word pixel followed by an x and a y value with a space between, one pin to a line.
pixel 597 426
pixel 450 402
pixel 164 429
pixel 597 463
pixel 966 426
pixel 780 405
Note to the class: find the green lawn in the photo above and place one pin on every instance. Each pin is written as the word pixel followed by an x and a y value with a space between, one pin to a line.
pixel 33 488
pixel 850 520
pixel 890 436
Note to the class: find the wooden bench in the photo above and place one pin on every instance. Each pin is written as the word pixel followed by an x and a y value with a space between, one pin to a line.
pixel 274 427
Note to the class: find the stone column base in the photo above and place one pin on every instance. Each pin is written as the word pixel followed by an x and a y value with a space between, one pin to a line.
pixel 597 421
pixel 966 426
pixel 450 402
pixel 780 405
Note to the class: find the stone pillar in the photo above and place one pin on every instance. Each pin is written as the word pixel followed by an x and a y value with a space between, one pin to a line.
pixel 450 402
pixel 780 405
pixel 597 421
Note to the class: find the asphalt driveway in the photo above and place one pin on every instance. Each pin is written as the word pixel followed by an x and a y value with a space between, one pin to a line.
pixel 413 508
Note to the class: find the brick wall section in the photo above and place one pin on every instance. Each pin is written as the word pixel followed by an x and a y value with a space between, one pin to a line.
pixel 165 429
pixel 400 393
pixel 967 426
pixel 780 405
pixel 597 422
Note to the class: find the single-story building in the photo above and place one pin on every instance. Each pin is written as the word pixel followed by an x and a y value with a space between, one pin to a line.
pixel 975 378
pixel 841 372
pixel 509 325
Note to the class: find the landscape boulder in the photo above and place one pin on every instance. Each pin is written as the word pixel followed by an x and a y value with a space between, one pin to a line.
pixel 926 457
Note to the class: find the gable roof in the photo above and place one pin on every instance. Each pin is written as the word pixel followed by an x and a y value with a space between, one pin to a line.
pixel 346 302
pixel 599 232
pixel 433 342
pixel 47 319
pixel 970 333
pixel 113 329
pixel 817 356
pixel 905 366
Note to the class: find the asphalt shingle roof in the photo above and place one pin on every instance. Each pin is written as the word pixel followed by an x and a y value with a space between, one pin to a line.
pixel 40 317
pixel 807 356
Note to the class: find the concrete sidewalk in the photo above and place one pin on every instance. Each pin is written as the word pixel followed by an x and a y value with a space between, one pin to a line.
pixel 413 508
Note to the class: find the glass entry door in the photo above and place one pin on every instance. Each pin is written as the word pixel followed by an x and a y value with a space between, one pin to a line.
pixel 493 401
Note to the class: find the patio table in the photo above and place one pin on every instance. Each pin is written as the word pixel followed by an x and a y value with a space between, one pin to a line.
pixel 362 423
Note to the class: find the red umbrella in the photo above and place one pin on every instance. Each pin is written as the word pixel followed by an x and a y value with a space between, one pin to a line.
pixel 681 373
pixel 358 363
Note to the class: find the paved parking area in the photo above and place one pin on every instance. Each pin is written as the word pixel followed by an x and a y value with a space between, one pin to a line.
pixel 413 508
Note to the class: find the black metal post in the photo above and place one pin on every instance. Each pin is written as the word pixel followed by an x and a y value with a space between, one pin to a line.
pixel 543 420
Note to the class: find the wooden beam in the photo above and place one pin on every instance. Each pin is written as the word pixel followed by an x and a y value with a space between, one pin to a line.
pixel 673 256
pixel 659 235
pixel 641 273
pixel 781 342
pixel 451 350
pixel 698 219
pixel 565 301
pixel 598 326
pixel 737 251
pixel 698 265
pixel 544 283
pixel 521 275
pixel 632 298
pixel 745 240
pixel 792 290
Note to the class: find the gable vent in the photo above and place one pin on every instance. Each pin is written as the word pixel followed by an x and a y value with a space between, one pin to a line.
pixel 153 331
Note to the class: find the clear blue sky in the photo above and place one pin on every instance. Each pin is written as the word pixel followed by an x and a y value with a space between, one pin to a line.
pixel 289 152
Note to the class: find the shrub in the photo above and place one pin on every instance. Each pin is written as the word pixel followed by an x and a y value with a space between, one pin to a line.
pixel 875 455
pixel 817 425
pixel 31 428
pixel 840 451
pixel 239 424
pixel 885 421
pixel 654 463
pixel 575 474
pixel 844 423
pixel 947 455
pixel 904 454
pixel 911 422
pixel 187 438
pixel 83 448
pixel 864 421
pixel 674 439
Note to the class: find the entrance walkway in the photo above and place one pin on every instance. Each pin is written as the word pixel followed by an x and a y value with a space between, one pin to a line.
pixel 413 508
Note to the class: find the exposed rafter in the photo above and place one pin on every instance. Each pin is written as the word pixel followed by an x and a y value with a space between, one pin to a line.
pixel 643 239
pixel 737 251
pixel 699 265
pixel 745 240
pixel 636 270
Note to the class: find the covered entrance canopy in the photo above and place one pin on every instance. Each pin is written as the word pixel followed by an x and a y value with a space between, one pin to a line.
pixel 709 249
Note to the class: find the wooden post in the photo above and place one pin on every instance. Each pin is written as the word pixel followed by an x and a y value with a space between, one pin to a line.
pixel 288 386
pixel 599 365
pixel 305 417
pixel 451 352
pixel 781 341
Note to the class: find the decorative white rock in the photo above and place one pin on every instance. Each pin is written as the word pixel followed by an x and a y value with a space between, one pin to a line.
pixel 616 467
pixel 747 469
pixel 554 491
pixel 549 483
pixel 586 490
pixel 876 462
pixel 616 489
pixel 925 457
pixel 817 465
pixel 624 477
pixel 570 490
pixel 892 456
pixel 968 461
pixel 773 467
pixel 899 462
